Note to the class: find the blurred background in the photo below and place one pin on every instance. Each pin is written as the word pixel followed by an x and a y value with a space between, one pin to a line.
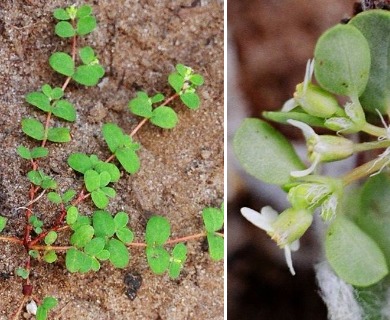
pixel 269 43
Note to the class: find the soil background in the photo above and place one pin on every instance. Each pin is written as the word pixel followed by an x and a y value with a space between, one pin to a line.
pixel 138 43
pixel 269 43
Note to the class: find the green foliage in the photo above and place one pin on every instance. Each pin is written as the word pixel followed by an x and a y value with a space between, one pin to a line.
pixel 213 219
pixel 65 110
pixel 119 255
pixel 50 256
pixel 62 63
pixel 64 29
pixel 51 237
pixel 88 75
pixel 122 146
pixel 252 139
pixel 158 230
pixel 39 178
pixel 33 128
pixel 179 256
pixel 36 224
pixel 43 310
pixel 85 25
pixel 3 222
pixel 158 259
pixel 35 153
pixel 71 215
pixel 82 235
pixel 58 135
pixel 23 273
pixel 58 199
pixel 96 183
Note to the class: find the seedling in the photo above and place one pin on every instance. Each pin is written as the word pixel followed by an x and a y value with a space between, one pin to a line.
pixel 350 61
pixel 93 239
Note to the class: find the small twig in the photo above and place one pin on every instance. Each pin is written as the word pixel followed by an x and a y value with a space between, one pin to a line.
pixel 11 239
pixel 20 308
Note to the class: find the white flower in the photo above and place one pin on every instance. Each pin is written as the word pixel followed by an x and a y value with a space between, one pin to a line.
pixel 32 307
pixel 323 148
pixel 264 221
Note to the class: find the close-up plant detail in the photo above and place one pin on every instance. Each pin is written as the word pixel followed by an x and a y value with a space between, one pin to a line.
pixel 342 109
pixel 85 235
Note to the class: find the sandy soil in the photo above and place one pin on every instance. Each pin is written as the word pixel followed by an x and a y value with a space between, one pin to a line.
pixel 138 43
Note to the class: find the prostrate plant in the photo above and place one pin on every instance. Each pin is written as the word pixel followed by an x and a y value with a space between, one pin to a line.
pixel 101 236
pixel 350 61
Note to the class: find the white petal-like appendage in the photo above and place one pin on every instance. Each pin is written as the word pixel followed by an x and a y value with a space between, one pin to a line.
pixel 287 254
pixel 294 246
pixel 32 307
pixel 306 172
pixel 308 74
pixel 307 131
pixel 289 105
pixel 261 220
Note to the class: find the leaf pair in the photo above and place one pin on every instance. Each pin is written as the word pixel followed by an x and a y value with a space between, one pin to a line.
pixel 213 219
pixel 84 24
pixel 48 303
pixel 35 153
pixel 39 178
pixel 163 116
pixel 159 259
pixel 35 129
pixel 185 82
pixel 122 146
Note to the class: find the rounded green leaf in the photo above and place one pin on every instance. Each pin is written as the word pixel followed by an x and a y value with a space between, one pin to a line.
pixel 88 75
pixel 64 110
pixel 342 61
pixel 179 255
pixel 108 191
pixel 265 153
pixel 121 219
pixel 375 27
pixel 164 117
pixel 158 259
pixel 119 255
pixel 3 222
pixel 182 69
pixel 51 237
pixel 33 128
pixel 71 215
pixel 95 266
pixel 86 263
pixel 79 162
pixel 113 136
pixel 24 152
pixel 39 100
pixel 85 25
pixel 92 180
pixel 54 197
pixel 82 236
pixel 61 14
pixel 176 81
pixel 190 99
pixel 353 255
pixel 99 198
pixel 62 63
pixel 47 90
pixel 87 55
pixel 56 93
pixel 50 256
pixel 141 106
pixel 58 135
pixel 73 260
pixel 157 98
pixel 128 159
pixel 216 246
pixel 103 223
pixel 39 152
pixel 95 246
pixel 158 230
pixel 68 195
pixel 23 273
pixel 197 79
pixel 213 219
pixel 81 221
pixel 49 303
pixel 282 117
pixel 64 29
pixel 84 11
pixel 103 255
pixel 111 168
pixel 125 235
pixel 105 178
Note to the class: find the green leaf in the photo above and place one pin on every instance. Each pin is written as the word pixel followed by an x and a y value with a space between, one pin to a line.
pixel 87 55
pixel 86 25
pixel 111 168
pixel 82 236
pixel 33 253
pixel 92 180
pixel 88 75
pixel 375 27
pixel 119 255
pixel 103 223
pixel 79 162
pixel 35 177
pixel 23 273
pixel 103 255
pixel 41 313
pixel 47 90
pixel 108 191
pixel 95 266
pixel 342 61
pixel 95 246
pixel 158 259
pixel 51 237
pixel 49 303
pixel 54 197
pixel 64 29
pixel 120 220
pixel 190 99
pixel 24 152
pixel 65 110
pixel 105 178
pixel 213 219
pixel 86 263
pixel 113 136
pixel 179 256
pixel 39 152
pixel 182 69
pixel 68 195
pixel 84 11
pixel 58 135
pixel 99 198
pixel 353 255
pixel 141 105
pixel 62 63
pixel 125 235
pixel 164 117
pixel 3 222
pixel 158 230
pixel 33 128
pixel 197 79
pixel 176 81
pixel 56 93
pixel 157 98
pixel 216 246
pixel 265 153
pixel 39 100
pixel 50 256
pixel 73 260
pixel 71 215
pixel 81 221
pixel 61 14
pixel 128 159
pixel 48 183
pixel 282 117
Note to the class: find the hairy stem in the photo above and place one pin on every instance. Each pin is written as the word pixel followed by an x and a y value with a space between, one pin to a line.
pixel 364 170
